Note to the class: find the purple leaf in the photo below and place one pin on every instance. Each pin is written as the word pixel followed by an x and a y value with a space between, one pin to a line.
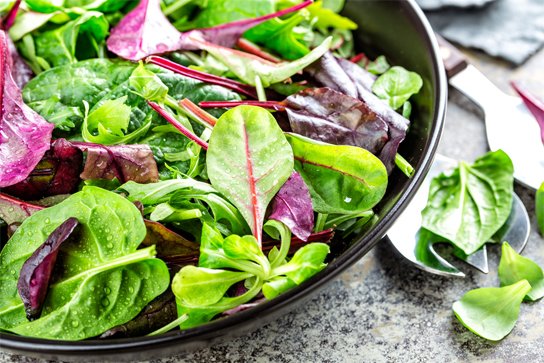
pixel 142 32
pixel 10 17
pixel 534 105
pixel 227 35
pixel 36 271
pixel 333 117
pixel 24 135
pixel 13 210
pixel 20 71
pixel 124 162
pixel 171 247
pixel 57 173
pixel 292 206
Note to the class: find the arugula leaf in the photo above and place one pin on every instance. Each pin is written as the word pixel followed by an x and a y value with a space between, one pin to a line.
pixel 341 179
pixel 468 206
pixel 106 280
pixel 514 268
pixel 491 312
pixel 397 85
pixel 248 160
pixel 539 208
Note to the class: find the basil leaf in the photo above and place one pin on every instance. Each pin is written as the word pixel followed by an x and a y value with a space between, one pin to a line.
pixel 491 312
pixel 397 85
pixel 468 206
pixel 248 160
pixel 341 179
pixel 105 281
pixel 514 268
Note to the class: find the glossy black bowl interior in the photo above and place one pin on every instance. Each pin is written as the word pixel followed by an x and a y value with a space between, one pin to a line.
pixel 397 29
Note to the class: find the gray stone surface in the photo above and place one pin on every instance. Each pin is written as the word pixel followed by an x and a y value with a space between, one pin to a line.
pixel 437 4
pixel 383 309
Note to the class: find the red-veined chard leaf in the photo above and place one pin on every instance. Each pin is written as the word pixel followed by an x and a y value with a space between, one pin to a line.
pixel 333 117
pixel 24 135
pixel 248 161
pixel 293 207
pixel 36 272
pixel 341 179
pixel 13 210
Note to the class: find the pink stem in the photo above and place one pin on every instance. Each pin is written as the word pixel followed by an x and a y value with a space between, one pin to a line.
pixel 202 76
pixel 359 57
pixel 535 105
pixel 272 105
pixel 178 125
pixel 10 18
pixel 249 47
pixel 197 112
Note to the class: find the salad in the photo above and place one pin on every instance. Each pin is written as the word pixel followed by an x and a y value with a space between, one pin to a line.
pixel 167 163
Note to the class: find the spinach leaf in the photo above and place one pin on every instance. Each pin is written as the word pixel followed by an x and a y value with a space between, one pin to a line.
pixel 491 312
pixel 104 281
pixel 25 135
pixel 468 206
pixel 514 268
pixel 397 85
pixel 76 40
pixel 539 208
pixel 248 160
pixel 341 179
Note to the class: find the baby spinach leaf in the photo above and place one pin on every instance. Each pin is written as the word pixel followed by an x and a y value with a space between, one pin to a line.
pixel 292 206
pixel 539 208
pixel 36 272
pixel 103 280
pixel 397 85
pixel 341 179
pixel 491 312
pixel 514 268
pixel 468 206
pixel 25 135
pixel 64 45
pixel 248 160
pixel 248 67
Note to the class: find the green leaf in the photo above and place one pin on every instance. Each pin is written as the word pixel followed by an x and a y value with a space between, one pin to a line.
pixel 327 18
pixel 167 213
pixel 397 85
pixel 468 206
pixel 198 286
pixel 59 46
pixel 246 248
pixel 248 160
pixel 334 5
pixel 27 22
pixel 156 193
pixel 514 268
pixel 276 286
pixel 102 279
pixel 491 312
pixel 249 68
pixel 306 262
pixel 147 84
pixel 378 66
pixel 539 208
pixel 341 179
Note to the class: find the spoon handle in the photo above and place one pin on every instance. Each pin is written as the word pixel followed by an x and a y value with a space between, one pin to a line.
pixel 454 60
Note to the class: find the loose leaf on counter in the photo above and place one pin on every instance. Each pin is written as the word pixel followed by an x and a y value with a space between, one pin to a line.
pixel 468 206
pixel 341 179
pixel 333 117
pixel 13 210
pixel 248 67
pixel 292 206
pixel 142 32
pixel 491 312
pixel 57 173
pixel 397 85
pixel 36 272
pixel 514 268
pixel 105 281
pixel 539 208
pixel 24 135
pixel 248 160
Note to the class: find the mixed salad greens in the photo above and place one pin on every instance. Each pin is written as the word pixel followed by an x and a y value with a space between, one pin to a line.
pixel 164 163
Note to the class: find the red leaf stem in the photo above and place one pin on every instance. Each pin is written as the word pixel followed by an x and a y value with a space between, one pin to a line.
pixel 272 105
pixel 178 125
pixel 196 112
pixel 10 18
pixel 254 49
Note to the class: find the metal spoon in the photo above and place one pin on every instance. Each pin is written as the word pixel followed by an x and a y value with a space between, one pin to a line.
pixel 416 245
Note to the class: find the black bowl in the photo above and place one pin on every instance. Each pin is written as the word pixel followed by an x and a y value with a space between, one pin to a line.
pixel 397 29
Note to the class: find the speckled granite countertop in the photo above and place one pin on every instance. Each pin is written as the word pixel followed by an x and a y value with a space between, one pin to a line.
pixel 383 309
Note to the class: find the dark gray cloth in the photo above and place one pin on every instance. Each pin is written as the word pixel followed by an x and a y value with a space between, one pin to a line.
pixel 510 29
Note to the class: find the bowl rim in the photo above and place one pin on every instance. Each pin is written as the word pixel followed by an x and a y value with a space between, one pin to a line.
pixel 116 348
